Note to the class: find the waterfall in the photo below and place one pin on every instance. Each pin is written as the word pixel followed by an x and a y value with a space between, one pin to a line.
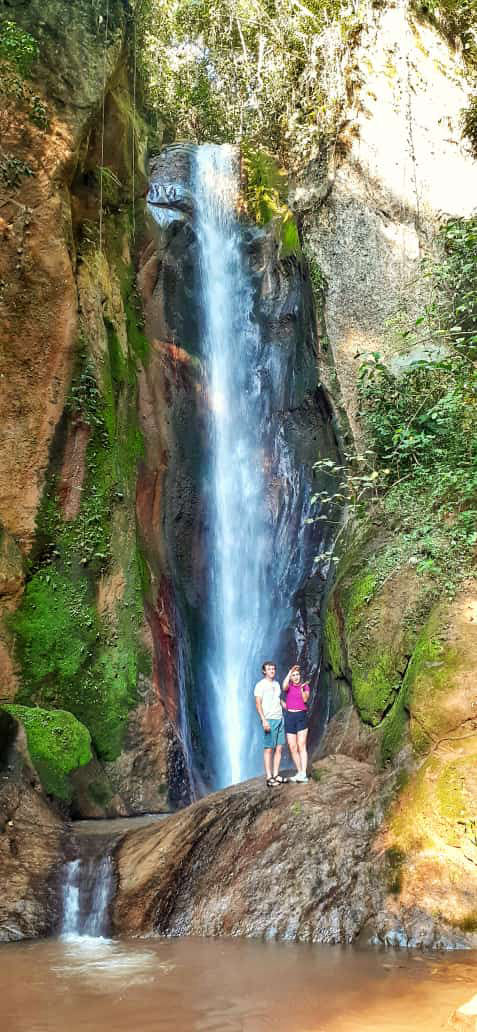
pixel 87 891
pixel 236 375
pixel 250 585
pixel 238 596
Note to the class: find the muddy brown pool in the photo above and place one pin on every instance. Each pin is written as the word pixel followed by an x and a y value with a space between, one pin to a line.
pixel 200 985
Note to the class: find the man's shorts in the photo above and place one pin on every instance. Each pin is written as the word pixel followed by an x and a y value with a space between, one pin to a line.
pixel 276 735
pixel 295 721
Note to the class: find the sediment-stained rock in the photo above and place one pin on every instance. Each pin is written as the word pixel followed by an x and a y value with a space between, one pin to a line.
pixel 298 862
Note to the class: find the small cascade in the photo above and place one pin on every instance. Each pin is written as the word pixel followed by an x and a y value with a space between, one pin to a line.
pixel 71 909
pixel 87 892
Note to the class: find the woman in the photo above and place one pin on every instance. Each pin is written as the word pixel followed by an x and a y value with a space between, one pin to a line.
pixel 296 723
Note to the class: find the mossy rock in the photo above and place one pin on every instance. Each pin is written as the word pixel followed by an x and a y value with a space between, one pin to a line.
pixel 379 641
pixel 357 596
pixel 55 626
pixel 333 642
pixel 393 728
pixel 376 683
pixel 438 676
pixel 57 743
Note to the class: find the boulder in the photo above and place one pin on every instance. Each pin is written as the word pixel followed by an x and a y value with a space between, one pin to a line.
pixel 32 840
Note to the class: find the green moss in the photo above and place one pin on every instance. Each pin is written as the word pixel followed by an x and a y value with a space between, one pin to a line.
pixel 429 676
pixel 138 342
pixel 468 923
pixel 358 595
pixel 333 642
pixel 393 728
pixel 110 691
pixel 55 627
pixel 112 188
pixel 58 744
pixel 100 792
pixel 408 825
pixel 70 657
pixel 374 686
pixel 450 793
pixel 395 860
pixel 117 366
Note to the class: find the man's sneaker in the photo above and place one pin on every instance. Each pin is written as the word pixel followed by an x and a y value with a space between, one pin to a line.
pixel 301 778
pixel 296 777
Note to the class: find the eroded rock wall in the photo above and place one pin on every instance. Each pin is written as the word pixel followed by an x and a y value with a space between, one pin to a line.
pixel 72 571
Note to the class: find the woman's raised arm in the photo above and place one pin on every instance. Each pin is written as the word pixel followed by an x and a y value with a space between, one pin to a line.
pixel 286 680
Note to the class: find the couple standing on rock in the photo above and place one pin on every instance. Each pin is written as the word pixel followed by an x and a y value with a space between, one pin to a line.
pixel 279 714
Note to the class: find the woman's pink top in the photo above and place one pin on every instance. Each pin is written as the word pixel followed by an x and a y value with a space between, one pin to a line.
pixel 294 696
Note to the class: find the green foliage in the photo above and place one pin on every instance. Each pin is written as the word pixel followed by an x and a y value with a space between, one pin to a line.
pixel 422 422
pixel 17 46
pixel 13 170
pixel 39 113
pixel 469 124
pixel 266 197
pixel 58 744
pixel 232 70
pixel 456 19
pixel 111 187
pixel 14 86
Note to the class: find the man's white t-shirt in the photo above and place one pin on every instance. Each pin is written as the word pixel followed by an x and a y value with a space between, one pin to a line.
pixel 269 693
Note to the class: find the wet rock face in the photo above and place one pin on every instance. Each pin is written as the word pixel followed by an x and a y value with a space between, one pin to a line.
pixel 32 838
pixel 298 862
pixel 296 429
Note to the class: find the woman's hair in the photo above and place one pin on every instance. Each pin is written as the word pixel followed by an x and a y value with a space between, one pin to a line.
pixel 268 662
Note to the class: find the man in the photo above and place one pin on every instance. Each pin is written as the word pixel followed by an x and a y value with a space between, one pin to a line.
pixel 269 709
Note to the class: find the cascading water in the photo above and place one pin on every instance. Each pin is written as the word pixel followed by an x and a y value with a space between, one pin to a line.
pixel 87 892
pixel 250 586
pixel 241 418
pixel 238 597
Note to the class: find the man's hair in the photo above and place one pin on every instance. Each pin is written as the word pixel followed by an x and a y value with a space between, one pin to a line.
pixel 269 662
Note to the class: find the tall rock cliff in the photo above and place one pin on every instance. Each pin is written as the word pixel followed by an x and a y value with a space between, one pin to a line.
pixel 72 571
pixel 401 651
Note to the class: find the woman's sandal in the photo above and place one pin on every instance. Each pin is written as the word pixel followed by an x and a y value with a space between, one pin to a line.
pixel 281 781
pixel 271 782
